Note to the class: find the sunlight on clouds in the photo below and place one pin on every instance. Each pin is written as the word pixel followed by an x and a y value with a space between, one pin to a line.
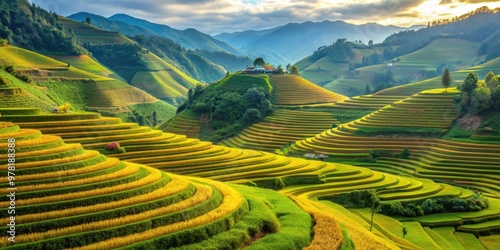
pixel 215 16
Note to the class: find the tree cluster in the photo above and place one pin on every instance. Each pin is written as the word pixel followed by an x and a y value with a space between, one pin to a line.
pixel 368 198
pixel 340 51
pixel 228 111
pixel 114 55
pixel 479 96
pixel 435 205
pixel 33 28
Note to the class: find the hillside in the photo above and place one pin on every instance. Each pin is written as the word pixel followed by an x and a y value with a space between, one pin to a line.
pixel 56 83
pixel 188 38
pixel 137 66
pixel 294 41
pixel 224 108
pixel 349 75
pixel 31 27
pixel 352 68
pixel 190 62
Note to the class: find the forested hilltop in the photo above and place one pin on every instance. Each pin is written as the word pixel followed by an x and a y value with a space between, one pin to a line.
pixel 33 28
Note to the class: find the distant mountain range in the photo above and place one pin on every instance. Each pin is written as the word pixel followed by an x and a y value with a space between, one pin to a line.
pixel 128 25
pixel 284 44
pixel 294 41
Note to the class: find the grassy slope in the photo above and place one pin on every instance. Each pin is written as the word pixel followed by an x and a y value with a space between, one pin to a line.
pixel 84 62
pixel 457 77
pixel 324 70
pixel 459 53
pixel 161 79
pixel 158 78
pixel 90 34
pixel 58 84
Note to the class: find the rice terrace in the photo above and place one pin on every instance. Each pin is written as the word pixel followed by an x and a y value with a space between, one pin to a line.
pixel 250 125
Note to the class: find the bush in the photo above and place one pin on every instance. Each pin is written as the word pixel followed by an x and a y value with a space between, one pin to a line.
pixel 4 81
pixel 113 146
pixel 278 183
pixel 251 184
pixel 435 205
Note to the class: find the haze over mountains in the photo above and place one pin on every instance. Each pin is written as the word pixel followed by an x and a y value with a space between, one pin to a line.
pixel 284 44
pixel 292 42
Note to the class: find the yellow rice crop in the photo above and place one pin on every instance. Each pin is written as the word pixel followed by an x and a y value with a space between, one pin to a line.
pixel 110 162
pixel 41 140
pixel 21 133
pixel 363 239
pixel 55 150
pixel 176 185
pixel 231 155
pixel 54 185
pixel 232 200
pixel 327 232
pixel 86 155
pixel 154 176
pixel 203 192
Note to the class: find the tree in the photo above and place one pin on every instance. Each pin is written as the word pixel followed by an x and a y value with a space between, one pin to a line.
pixel 280 69
pixel 405 231
pixel 370 43
pixel 295 70
pixel 446 79
pixel 88 20
pixel 375 208
pixel 368 90
pixel 4 42
pixel 480 100
pixel 491 81
pixel 259 61
pixel 288 67
pixel 470 83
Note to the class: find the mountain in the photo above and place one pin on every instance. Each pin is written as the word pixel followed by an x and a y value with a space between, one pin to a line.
pixel 242 39
pixel 137 65
pixel 408 56
pixel 195 63
pixel 107 24
pixel 292 42
pixel 188 38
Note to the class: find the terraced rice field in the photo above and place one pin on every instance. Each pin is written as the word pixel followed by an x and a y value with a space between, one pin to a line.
pixel 463 163
pixel 426 110
pixel 184 123
pixel 281 128
pixel 178 154
pixel 181 155
pixel 68 197
pixel 294 90
pixel 432 83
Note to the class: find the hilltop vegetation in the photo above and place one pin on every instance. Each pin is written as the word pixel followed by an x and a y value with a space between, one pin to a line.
pixel 33 28
pixel 231 104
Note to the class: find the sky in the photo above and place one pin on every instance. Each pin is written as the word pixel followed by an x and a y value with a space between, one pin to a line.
pixel 217 16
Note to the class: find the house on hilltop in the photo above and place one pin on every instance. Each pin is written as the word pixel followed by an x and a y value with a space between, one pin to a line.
pixel 260 70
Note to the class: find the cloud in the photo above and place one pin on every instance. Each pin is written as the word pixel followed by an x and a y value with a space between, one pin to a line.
pixel 444 2
pixel 216 16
